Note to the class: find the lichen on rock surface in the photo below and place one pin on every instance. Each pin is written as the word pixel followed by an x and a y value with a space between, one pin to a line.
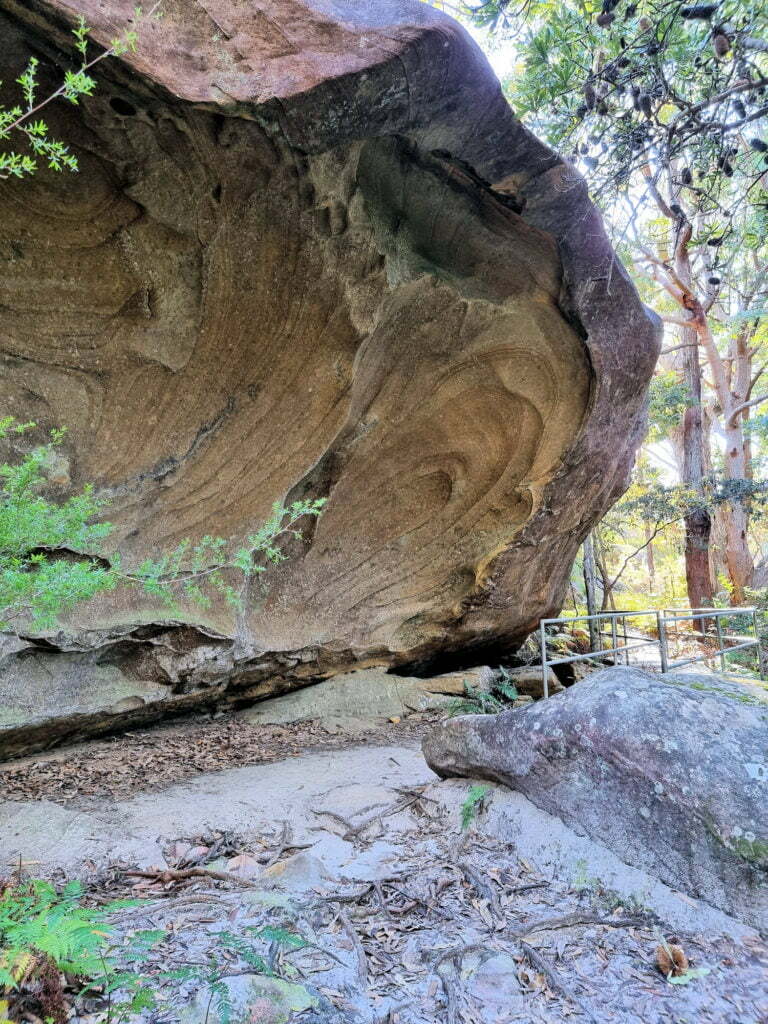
pixel 312 254
pixel 668 776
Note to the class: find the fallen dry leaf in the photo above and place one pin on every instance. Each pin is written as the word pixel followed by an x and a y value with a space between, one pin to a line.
pixel 245 865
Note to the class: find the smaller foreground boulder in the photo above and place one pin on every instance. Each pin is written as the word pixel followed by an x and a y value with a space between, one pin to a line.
pixel 669 772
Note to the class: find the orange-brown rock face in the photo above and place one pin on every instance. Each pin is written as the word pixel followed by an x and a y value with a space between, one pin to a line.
pixel 282 272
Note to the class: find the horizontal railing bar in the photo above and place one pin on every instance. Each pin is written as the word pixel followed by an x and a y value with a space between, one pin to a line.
pixel 707 613
pixel 687 618
pixel 600 654
pixel 731 610
pixel 591 618
pixel 629 636
pixel 612 625
pixel 713 654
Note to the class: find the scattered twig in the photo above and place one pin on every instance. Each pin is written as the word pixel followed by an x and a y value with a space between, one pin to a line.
pixel 484 888
pixel 354 938
pixel 163 905
pixel 382 900
pixel 418 900
pixel 348 897
pixel 556 983
pixel 529 886
pixel 355 830
pixel 172 875
pixel 285 845
pixel 572 920
pixel 449 979
pixel 336 817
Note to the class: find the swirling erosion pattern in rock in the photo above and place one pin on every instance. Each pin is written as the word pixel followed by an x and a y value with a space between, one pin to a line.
pixel 282 273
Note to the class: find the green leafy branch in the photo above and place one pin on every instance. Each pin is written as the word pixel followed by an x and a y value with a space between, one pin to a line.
pixel 188 569
pixel 473 804
pixel 211 975
pixel 49 551
pixel 23 118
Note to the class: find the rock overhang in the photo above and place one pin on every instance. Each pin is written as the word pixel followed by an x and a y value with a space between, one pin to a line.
pixel 285 271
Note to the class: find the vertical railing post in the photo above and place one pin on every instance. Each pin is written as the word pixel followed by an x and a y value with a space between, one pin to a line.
pixel 719 628
pixel 614 638
pixel 760 661
pixel 544 665
pixel 661 629
pixel 626 652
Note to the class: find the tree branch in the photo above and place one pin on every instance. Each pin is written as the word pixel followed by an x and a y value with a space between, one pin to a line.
pixel 745 405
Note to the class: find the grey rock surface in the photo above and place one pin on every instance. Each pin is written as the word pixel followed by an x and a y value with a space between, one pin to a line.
pixel 669 772
pixel 367 694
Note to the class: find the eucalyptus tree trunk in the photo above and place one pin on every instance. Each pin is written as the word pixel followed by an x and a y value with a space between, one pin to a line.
pixel 589 588
pixel 698 523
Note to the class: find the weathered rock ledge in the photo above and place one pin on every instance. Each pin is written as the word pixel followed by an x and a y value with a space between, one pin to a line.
pixel 310 255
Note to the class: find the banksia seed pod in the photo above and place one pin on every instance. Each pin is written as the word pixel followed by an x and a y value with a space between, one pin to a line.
pixel 645 105
pixel 739 107
pixel 590 97
pixel 645 24
pixel 759 145
pixel 685 176
pixel 671 960
pixel 605 18
pixel 721 44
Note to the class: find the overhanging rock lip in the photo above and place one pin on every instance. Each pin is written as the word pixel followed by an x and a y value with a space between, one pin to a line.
pixel 436 87
pixel 431 84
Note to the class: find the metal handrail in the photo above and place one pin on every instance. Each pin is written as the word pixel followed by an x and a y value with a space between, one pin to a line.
pixel 722 652
pixel 613 616
pixel 664 618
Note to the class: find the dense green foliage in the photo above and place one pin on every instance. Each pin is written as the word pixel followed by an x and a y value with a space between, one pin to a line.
pixel 661 104
pixel 46 934
pixel 475 701
pixel 34 584
pixel 473 804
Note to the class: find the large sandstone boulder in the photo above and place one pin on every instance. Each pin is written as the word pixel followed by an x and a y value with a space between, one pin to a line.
pixel 671 773
pixel 312 253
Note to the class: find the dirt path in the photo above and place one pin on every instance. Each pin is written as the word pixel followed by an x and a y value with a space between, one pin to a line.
pixel 404 917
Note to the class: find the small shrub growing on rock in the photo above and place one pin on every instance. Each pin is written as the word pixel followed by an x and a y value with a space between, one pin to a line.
pixel 475 701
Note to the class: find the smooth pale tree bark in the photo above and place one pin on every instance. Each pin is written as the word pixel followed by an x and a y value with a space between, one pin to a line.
pixel 588 550
pixel 732 381
pixel 650 561
pixel 698 522
pixel 602 567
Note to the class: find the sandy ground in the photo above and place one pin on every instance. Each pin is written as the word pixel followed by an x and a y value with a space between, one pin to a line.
pixel 358 848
